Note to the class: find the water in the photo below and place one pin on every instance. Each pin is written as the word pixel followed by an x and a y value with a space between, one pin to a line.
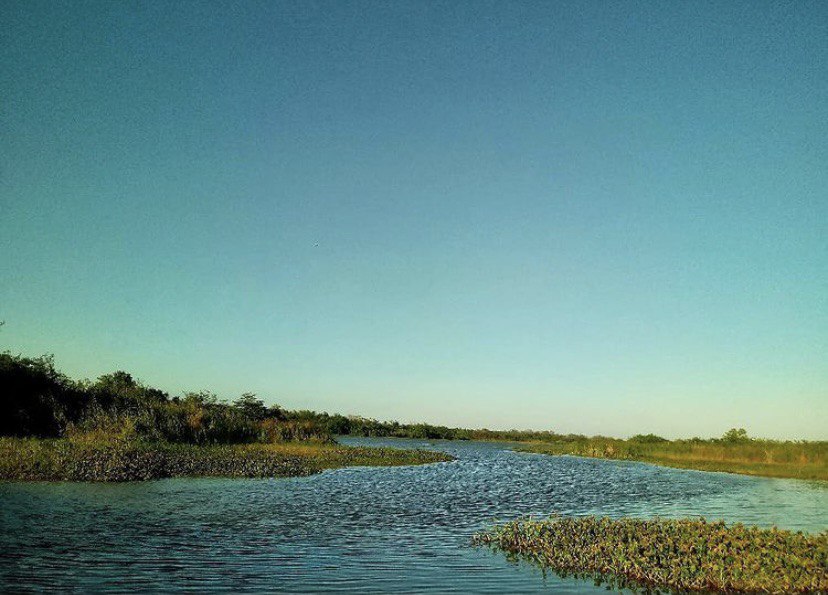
pixel 367 530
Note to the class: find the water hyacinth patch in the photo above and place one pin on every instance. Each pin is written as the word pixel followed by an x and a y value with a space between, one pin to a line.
pixel 64 460
pixel 678 555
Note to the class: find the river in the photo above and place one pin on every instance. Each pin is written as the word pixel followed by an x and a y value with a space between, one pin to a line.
pixel 365 530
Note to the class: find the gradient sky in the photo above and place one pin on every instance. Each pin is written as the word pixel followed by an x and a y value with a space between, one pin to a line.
pixel 592 217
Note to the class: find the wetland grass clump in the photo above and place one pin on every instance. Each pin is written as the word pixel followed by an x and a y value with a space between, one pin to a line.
pixel 678 555
pixel 31 459
pixel 734 452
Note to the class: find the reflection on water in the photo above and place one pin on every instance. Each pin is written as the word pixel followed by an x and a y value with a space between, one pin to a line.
pixel 404 529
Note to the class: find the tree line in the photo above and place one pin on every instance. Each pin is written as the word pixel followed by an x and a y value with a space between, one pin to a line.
pixel 40 401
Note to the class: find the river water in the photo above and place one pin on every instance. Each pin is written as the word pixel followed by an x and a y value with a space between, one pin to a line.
pixel 365 530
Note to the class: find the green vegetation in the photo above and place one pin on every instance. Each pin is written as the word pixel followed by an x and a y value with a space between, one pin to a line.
pixel 360 426
pixel 39 401
pixel 735 452
pixel 82 460
pixel 680 555
pixel 117 429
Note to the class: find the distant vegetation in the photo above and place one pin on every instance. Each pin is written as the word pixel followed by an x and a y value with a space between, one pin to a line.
pixel 43 402
pixel 735 452
pixel 39 401
pixel 680 555
pixel 352 425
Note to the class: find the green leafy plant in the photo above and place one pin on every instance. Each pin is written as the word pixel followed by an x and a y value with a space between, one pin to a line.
pixel 680 555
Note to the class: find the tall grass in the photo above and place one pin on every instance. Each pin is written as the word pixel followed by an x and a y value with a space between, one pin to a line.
pixel 803 460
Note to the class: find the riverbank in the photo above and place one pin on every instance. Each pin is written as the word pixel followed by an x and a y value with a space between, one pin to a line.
pixel 796 460
pixel 681 555
pixel 31 459
pixel 46 403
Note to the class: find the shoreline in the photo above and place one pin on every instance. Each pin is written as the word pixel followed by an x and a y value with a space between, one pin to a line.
pixel 33 459
pixel 808 471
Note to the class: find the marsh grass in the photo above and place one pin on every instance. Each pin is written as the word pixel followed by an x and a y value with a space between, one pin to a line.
pixel 32 459
pixel 679 555
pixel 801 460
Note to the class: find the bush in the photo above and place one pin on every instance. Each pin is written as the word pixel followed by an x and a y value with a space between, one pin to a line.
pixel 735 436
pixel 37 399
pixel 648 439
pixel 40 401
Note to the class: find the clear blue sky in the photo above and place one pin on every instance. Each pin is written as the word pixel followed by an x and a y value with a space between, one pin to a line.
pixel 580 216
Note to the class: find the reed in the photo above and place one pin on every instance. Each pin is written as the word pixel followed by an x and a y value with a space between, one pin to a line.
pixel 679 555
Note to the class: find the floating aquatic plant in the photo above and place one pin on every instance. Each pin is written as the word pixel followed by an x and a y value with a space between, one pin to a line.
pixel 35 459
pixel 679 555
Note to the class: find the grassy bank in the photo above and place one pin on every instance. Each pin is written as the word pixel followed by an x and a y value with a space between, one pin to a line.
pixel 800 460
pixel 42 402
pixel 62 459
pixel 681 555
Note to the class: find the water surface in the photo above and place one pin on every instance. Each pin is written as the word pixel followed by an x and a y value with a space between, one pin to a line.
pixel 366 530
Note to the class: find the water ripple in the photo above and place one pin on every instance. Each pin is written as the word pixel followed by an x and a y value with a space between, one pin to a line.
pixel 370 530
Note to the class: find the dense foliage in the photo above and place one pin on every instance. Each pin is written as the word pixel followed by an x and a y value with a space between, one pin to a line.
pixel 360 426
pixel 37 400
pixel 118 429
pixel 681 555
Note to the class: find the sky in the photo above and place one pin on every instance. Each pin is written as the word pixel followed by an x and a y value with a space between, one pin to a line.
pixel 592 217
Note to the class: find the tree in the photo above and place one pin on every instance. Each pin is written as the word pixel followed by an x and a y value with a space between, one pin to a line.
pixel 251 407
pixel 202 398
pixel 734 435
